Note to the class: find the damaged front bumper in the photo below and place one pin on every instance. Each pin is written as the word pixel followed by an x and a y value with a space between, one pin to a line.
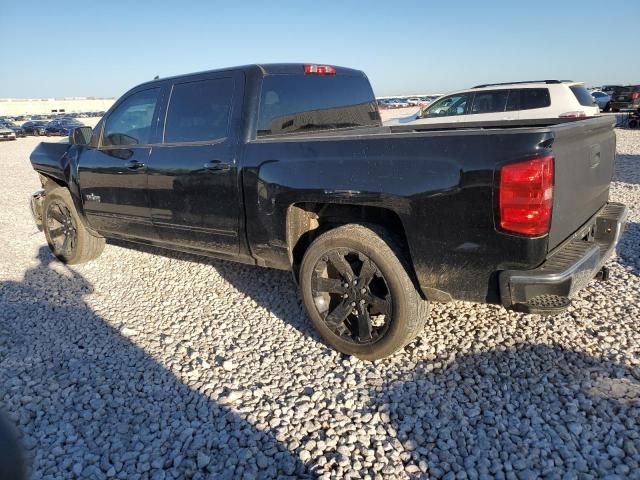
pixel 36 204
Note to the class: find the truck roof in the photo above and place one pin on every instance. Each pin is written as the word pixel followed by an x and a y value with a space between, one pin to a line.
pixel 263 69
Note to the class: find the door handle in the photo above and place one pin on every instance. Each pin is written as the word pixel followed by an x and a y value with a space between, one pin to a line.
pixel 217 166
pixel 134 165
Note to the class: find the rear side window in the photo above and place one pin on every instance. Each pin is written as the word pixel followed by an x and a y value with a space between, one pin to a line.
pixel 582 95
pixel 307 103
pixel 531 98
pixel 130 123
pixel 489 102
pixel 199 111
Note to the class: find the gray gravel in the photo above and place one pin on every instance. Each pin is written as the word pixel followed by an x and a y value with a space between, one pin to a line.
pixel 145 366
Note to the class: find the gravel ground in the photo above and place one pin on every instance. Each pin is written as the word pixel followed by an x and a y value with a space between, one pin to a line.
pixel 145 366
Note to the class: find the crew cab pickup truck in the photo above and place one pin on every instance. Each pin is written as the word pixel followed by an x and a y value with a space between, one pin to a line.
pixel 288 166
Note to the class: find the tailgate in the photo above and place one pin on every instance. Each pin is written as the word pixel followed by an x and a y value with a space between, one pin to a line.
pixel 622 94
pixel 584 154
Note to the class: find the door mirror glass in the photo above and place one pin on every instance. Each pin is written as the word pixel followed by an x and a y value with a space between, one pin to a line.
pixel 80 136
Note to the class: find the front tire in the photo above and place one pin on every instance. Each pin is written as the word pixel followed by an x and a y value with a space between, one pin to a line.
pixel 357 291
pixel 66 235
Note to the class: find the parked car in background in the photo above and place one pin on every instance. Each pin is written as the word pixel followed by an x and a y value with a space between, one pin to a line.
pixel 7 133
pixel 16 129
pixel 602 100
pixel 510 101
pixel 625 98
pixel 34 127
pixel 62 127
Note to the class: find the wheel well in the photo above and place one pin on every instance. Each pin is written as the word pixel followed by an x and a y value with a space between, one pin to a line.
pixel 49 183
pixel 305 221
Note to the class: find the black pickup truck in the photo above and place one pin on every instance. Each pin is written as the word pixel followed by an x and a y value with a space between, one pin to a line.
pixel 288 166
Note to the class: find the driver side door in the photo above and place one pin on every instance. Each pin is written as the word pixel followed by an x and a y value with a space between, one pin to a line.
pixel 449 109
pixel 113 174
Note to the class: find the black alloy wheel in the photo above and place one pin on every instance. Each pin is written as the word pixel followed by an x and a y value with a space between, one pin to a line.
pixel 63 232
pixel 352 296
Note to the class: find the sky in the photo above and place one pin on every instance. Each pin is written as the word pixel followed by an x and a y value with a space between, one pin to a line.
pixel 103 48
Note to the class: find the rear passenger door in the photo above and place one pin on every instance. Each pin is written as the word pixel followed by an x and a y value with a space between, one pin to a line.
pixel 193 177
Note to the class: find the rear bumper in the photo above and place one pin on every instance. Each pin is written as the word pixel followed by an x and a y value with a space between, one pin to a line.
pixel 624 105
pixel 572 265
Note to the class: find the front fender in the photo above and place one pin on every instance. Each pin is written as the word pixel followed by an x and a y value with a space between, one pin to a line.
pixel 59 162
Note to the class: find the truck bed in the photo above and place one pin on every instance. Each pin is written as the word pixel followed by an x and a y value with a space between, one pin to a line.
pixel 583 170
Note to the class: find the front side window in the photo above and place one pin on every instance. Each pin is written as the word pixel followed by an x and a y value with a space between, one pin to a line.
pixel 130 123
pixel 448 106
pixel 490 102
pixel 199 111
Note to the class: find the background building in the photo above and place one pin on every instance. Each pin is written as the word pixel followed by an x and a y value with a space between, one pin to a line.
pixel 34 106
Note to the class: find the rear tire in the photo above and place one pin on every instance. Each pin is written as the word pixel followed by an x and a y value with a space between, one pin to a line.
pixel 633 123
pixel 66 235
pixel 368 306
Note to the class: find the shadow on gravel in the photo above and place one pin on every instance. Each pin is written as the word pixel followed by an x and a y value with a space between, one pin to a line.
pixel 533 411
pixel 262 286
pixel 627 169
pixel 91 403
pixel 628 247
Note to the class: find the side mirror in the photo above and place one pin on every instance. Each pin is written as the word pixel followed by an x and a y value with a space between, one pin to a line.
pixel 80 136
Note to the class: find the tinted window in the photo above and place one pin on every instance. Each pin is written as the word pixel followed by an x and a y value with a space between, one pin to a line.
pixel 130 122
pixel 199 111
pixel 448 106
pixel 534 98
pixel 488 102
pixel 598 94
pixel 582 95
pixel 305 103
pixel 621 89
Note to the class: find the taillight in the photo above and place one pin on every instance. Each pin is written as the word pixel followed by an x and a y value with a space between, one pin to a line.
pixel 576 114
pixel 526 196
pixel 319 70
pixel 635 95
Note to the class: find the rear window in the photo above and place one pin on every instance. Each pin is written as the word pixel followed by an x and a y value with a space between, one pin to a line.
pixel 308 103
pixel 622 89
pixel 582 95
pixel 199 111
